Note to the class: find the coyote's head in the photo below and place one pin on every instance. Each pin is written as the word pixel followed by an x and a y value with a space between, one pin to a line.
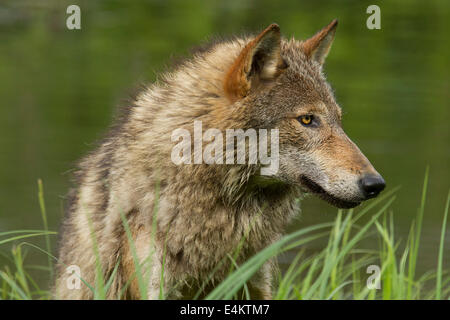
pixel 281 85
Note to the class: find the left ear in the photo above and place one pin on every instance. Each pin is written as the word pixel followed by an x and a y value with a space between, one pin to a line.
pixel 318 46
pixel 260 60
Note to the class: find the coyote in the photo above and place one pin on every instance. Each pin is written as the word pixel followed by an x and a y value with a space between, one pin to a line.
pixel 187 220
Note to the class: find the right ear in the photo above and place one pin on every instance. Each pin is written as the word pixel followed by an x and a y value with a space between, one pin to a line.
pixel 318 46
pixel 259 60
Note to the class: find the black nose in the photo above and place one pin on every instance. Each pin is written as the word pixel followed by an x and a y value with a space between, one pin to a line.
pixel 372 185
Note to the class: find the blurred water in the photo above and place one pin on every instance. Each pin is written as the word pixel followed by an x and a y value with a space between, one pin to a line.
pixel 59 89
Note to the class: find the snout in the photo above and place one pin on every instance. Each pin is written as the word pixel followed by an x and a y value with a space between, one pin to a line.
pixel 371 185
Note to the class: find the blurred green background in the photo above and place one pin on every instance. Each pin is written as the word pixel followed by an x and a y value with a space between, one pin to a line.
pixel 59 90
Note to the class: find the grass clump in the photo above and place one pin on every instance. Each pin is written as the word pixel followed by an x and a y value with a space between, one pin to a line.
pixel 343 269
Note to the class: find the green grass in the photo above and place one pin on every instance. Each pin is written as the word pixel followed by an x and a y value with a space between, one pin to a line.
pixel 337 271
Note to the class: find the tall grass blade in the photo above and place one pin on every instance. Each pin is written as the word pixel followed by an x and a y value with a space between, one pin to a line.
pixel 441 252
pixel 44 220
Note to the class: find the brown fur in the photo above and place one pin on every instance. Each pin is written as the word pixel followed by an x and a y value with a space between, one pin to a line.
pixel 200 213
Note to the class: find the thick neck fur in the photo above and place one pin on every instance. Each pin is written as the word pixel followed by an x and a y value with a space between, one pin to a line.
pixel 230 200
pixel 195 92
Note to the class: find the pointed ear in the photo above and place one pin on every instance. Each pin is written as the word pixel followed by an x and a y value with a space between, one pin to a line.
pixel 259 60
pixel 318 46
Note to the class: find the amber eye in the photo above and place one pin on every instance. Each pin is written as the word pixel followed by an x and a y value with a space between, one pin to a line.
pixel 306 120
